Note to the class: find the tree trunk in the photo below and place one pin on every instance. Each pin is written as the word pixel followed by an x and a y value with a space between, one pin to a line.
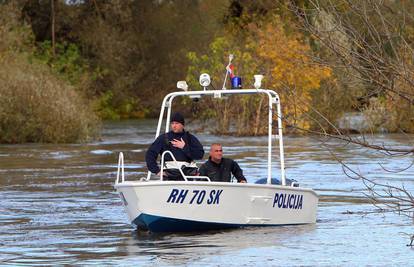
pixel 52 14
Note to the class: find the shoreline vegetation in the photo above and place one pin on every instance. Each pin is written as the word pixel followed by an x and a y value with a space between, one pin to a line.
pixel 36 105
pixel 69 65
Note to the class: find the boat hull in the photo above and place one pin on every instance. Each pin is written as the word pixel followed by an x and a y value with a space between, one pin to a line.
pixel 175 206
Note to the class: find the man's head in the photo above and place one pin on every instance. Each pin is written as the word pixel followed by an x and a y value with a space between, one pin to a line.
pixel 177 122
pixel 216 152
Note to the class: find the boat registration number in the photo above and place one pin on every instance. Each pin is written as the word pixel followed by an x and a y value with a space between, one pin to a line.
pixel 180 196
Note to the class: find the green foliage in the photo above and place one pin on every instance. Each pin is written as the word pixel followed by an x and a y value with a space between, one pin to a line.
pixel 215 61
pixel 67 60
pixel 237 114
pixel 103 106
pixel 108 109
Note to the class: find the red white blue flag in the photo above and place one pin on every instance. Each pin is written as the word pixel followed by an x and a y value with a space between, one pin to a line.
pixel 230 70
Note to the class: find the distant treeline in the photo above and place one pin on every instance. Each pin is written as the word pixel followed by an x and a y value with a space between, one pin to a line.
pixel 70 64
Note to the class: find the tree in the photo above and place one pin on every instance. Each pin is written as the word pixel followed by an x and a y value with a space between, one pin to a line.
pixel 128 45
pixel 35 104
pixel 272 48
pixel 373 42
pixel 291 68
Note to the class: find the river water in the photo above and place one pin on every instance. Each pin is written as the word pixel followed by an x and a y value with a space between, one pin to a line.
pixel 58 207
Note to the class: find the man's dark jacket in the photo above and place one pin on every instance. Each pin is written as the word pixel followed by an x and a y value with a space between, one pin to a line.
pixel 191 151
pixel 222 172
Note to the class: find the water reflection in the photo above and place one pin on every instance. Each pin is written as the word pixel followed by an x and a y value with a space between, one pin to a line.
pixel 182 249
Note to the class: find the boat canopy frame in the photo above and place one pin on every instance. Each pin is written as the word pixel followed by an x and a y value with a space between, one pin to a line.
pixel 273 99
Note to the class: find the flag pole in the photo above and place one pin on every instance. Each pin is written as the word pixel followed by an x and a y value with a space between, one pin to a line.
pixel 231 56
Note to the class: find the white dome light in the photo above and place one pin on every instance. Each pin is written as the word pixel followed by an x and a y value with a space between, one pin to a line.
pixel 205 80
pixel 258 81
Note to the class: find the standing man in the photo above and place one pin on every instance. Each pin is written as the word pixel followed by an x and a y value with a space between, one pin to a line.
pixel 220 169
pixel 184 146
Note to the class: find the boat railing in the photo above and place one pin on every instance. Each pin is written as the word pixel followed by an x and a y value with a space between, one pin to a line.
pixel 120 172
pixel 273 99
pixel 186 177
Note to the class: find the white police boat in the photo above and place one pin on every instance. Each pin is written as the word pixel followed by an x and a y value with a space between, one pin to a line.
pixel 198 204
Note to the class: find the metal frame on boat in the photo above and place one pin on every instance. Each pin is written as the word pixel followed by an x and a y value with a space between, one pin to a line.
pixel 193 204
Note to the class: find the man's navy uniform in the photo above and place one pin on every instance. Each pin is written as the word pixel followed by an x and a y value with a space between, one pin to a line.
pixel 221 172
pixel 192 150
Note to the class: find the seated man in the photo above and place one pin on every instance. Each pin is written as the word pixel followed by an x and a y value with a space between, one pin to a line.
pixel 220 169
pixel 184 146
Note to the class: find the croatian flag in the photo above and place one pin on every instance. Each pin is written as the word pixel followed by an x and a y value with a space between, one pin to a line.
pixel 230 70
